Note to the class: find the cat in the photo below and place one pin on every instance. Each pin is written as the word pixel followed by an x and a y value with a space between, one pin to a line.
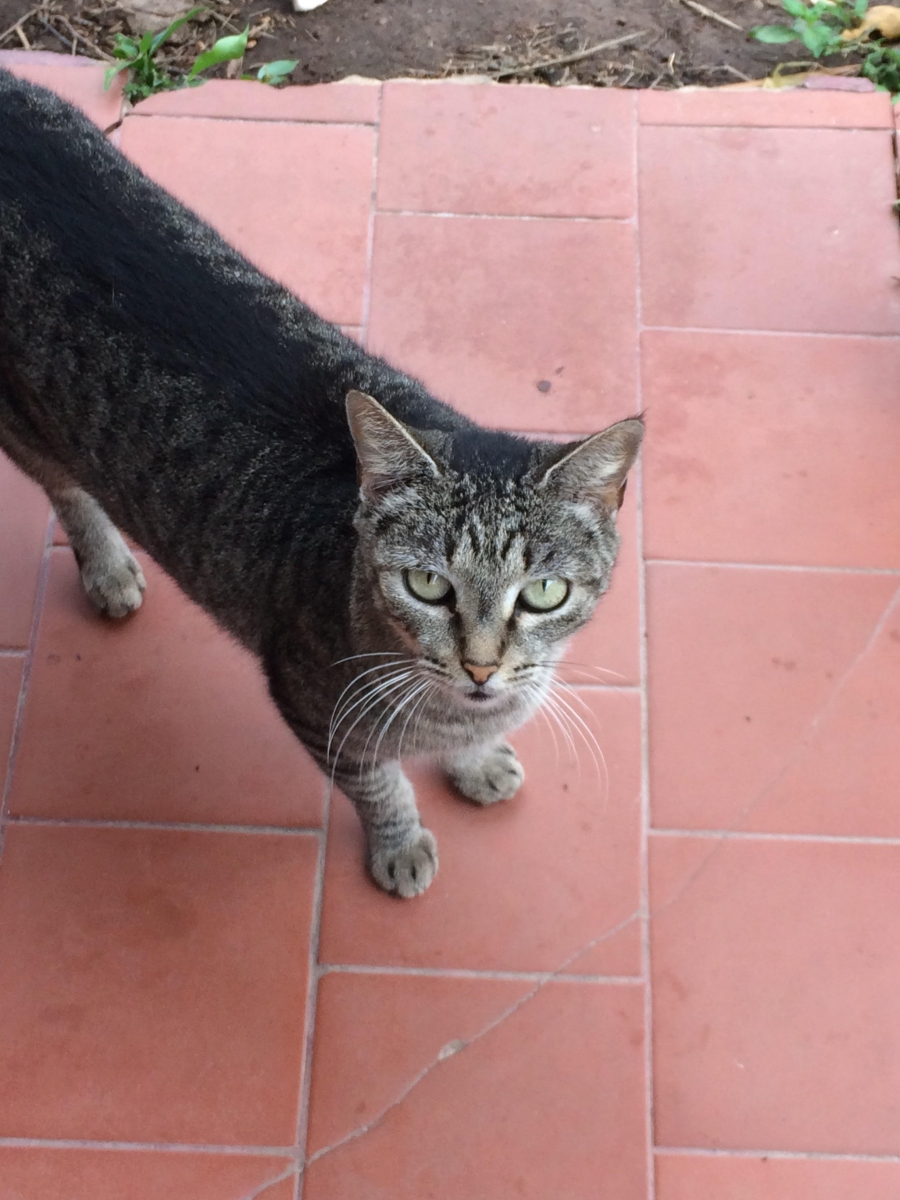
pixel 407 578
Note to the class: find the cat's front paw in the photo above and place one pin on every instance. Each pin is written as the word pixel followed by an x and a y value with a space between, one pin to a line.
pixel 114 583
pixel 498 775
pixel 406 870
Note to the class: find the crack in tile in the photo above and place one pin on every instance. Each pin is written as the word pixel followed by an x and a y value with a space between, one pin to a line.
pixel 801 745
pixel 288 1173
pixel 458 1045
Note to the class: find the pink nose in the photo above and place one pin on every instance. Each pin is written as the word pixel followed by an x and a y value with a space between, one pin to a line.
pixel 481 672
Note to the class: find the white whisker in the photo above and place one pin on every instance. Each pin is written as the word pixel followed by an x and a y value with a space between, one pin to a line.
pixel 339 713
pixel 380 692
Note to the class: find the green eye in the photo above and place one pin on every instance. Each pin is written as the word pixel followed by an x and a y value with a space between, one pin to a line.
pixel 544 594
pixel 427 586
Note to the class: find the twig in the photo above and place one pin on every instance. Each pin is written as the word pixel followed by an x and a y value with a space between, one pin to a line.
pixel 15 28
pixel 712 16
pixel 20 33
pixel 79 37
pixel 571 58
pixel 46 24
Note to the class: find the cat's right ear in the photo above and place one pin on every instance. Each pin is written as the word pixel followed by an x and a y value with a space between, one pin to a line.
pixel 387 453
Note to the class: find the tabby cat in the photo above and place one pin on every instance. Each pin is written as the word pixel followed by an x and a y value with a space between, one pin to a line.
pixel 407 578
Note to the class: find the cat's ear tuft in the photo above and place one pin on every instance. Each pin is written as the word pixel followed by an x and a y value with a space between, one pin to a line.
pixel 387 452
pixel 596 469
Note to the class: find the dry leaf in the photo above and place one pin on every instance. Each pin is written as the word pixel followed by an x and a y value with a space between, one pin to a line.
pixel 883 19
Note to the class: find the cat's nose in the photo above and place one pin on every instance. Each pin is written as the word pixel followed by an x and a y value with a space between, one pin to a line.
pixel 481 672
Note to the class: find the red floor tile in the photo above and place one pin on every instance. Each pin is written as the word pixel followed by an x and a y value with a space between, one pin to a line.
pixel 549 1103
pixel 448 147
pixel 772 449
pixel 24 513
pixel 246 100
pixel 607 650
pixel 294 199
pixel 775 995
pixel 78 80
pixel 485 311
pixel 798 108
pixel 523 885
pixel 769 229
pixel 10 686
pixel 754 720
pixel 695 1177
pixel 50 1174
pixel 158 718
pixel 155 984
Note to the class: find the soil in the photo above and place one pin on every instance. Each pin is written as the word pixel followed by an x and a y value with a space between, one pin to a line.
pixel 508 39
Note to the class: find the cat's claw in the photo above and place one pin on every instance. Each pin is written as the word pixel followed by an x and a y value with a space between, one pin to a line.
pixel 408 870
pixel 497 776
pixel 115 585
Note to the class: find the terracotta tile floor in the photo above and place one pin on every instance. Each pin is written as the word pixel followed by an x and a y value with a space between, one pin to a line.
pixel 673 973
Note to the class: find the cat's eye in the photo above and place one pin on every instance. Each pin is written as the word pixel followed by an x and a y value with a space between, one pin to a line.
pixel 428 586
pixel 543 595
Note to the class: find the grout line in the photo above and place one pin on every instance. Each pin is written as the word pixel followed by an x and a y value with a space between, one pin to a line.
pixel 168 826
pixel 25 1143
pixel 251 120
pixel 11 652
pixel 786 333
pixel 370 232
pixel 469 973
pixel 43 572
pixel 649 1116
pixel 312 998
pixel 789 1155
pixel 478 216
pixel 837 839
pixel 746 128
pixel 756 566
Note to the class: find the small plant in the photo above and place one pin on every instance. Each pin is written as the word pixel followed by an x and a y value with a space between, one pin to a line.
pixel 818 26
pixel 832 27
pixel 147 76
pixel 276 72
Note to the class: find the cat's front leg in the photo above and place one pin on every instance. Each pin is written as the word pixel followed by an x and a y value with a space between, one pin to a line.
pixel 486 773
pixel 401 854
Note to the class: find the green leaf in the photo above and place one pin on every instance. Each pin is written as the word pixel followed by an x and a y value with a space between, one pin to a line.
pixel 277 72
pixel 773 35
pixel 223 50
pixel 145 43
pixel 124 47
pixel 796 8
pixel 110 74
pixel 816 38
pixel 860 8
pixel 166 33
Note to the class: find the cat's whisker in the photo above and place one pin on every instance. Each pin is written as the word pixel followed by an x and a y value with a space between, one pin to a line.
pixel 340 713
pixel 431 689
pixel 532 691
pixel 376 694
pixel 583 668
pixel 370 654
pixel 391 667
pixel 550 708
pixel 397 709
pixel 590 740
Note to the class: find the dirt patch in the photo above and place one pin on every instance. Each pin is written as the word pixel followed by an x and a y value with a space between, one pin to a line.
pixel 508 39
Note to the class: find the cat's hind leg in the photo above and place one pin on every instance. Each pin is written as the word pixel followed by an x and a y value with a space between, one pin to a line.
pixel 110 573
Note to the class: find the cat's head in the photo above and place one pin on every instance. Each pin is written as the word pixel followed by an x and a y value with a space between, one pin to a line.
pixel 484 552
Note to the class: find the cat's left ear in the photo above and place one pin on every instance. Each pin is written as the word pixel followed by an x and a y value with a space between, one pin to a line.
pixel 595 470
